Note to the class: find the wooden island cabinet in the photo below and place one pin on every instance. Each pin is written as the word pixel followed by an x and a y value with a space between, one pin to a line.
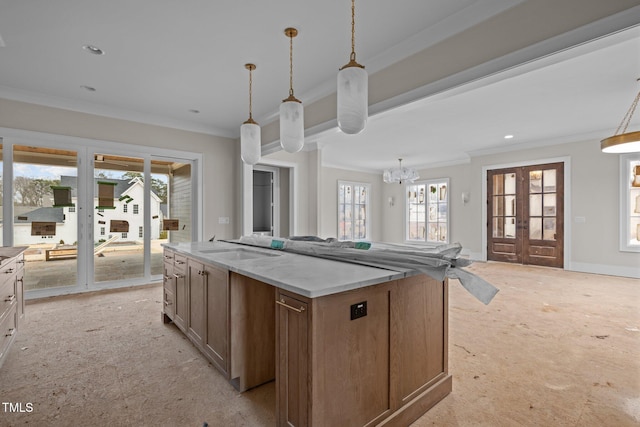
pixel 375 355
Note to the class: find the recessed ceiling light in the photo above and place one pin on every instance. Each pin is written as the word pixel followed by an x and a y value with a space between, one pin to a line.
pixel 88 88
pixel 194 111
pixel 508 136
pixel 93 49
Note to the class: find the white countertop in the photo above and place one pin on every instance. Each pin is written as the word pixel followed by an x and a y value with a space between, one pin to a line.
pixel 8 252
pixel 305 275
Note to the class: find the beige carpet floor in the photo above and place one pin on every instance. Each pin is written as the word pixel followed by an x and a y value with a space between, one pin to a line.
pixel 554 348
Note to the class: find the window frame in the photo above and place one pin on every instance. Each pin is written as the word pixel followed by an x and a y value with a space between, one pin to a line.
pixel 438 183
pixel 367 208
pixel 628 194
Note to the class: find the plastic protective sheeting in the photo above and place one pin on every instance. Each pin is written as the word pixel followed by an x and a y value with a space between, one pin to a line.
pixel 438 262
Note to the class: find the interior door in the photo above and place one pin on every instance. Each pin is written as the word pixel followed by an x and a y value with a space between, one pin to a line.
pixel 526 215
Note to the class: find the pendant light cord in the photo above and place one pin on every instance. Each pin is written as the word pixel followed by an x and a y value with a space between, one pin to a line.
pixel 290 64
pixel 353 30
pixel 250 94
pixel 627 117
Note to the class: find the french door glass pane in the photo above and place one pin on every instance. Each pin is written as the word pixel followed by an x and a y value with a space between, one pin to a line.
pixel 119 208
pixel 535 228
pixel 45 216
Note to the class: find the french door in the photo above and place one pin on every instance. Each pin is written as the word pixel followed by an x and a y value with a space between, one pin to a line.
pixel 525 211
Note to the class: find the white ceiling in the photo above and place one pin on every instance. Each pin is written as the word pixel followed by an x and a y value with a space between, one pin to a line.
pixel 164 58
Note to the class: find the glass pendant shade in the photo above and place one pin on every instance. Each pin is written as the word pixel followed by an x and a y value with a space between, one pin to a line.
pixel 353 103
pixel 250 146
pixel 291 126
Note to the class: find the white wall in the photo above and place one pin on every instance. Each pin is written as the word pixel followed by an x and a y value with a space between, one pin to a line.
pixel 220 190
pixel 594 177
pixel 328 215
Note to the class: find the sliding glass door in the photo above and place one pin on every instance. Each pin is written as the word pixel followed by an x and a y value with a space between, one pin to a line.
pixel 91 218
pixel 45 215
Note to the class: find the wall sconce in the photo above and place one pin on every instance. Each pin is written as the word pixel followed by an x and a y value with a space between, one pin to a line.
pixel 465 197
pixel 391 201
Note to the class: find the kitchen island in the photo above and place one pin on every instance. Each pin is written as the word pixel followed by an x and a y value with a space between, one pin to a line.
pixel 347 344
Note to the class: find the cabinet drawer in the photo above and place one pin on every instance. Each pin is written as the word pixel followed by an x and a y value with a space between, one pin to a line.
pixel 168 256
pixel 169 303
pixel 7 331
pixel 8 295
pixel 180 264
pixel 20 262
pixel 7 271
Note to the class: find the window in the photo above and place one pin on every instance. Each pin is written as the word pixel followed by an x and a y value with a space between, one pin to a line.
pixel 124 207
pixel 428 211
pixel 135 209
pixel 140 233
pixel 630 206
pixel 353 210
pixel 123 235
pixel 72 208
pixel 102 231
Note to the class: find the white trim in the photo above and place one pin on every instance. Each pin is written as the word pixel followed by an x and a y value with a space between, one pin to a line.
pixel 275 186
pixel 368 205
pixel 247 194
pixel 426 183
pixel 625 202
pixel 609 270
pixel 567 197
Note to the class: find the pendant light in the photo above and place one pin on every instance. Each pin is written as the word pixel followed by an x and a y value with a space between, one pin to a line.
pixel 291 111
pixel 250 145
pixel 353 85
pixel 623 142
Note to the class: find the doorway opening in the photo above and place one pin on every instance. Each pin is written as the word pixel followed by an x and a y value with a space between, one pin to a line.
pixel 525 214
pixel 266 195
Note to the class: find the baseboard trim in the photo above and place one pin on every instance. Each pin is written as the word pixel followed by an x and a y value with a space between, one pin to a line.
pixel 420 404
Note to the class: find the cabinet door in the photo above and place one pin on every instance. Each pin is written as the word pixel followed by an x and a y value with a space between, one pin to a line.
pixel 197 302
pixel 216 340
pixel 169 291
pixel 292 386
pixel 20 286
pixel 181 303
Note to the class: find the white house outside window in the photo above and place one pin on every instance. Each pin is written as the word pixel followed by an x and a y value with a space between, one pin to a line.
pixel 135 209
pixel 427 205
pixel 140 233
pixel 353 210
pixel 124 208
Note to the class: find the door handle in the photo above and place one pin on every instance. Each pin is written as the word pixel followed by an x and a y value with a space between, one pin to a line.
pixel 284 304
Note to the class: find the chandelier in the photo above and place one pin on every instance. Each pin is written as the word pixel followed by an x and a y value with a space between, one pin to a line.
pixel 623 141
pixel 400 174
